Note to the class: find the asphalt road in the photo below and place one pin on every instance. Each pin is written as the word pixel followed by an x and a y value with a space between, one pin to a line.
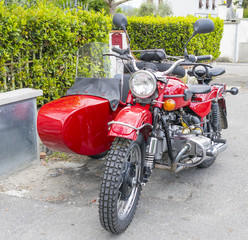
pixel 58 200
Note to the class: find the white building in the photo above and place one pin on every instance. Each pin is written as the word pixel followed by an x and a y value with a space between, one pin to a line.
pixel 185 7
pixel 193 7
pixel 234 44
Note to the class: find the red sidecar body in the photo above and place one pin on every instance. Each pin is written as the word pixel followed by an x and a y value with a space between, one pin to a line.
pixel 77 124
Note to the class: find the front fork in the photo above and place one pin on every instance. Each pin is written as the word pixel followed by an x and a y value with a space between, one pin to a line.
pixel 150 158
pixel 152 145
pixel 151 148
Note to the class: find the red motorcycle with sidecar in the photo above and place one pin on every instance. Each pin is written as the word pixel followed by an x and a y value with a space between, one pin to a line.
pixel 141 115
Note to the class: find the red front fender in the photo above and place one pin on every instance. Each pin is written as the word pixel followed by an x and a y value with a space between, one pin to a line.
pixel 135 117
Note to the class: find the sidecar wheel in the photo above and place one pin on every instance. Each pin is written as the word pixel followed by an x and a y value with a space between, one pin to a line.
pixel 120 189
pixel 100 155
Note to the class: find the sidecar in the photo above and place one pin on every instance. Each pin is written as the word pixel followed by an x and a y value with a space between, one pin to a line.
pixel 78 121
pixel 76 124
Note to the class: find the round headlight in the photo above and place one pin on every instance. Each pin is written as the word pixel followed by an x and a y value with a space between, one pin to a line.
pixel 142 84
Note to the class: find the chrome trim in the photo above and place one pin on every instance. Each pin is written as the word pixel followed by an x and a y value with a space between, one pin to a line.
pixel 154 80
pixel 170 70
pixel 153 146
pixel 155 101
pixel 216 149
pixel 175 165
pixel 128 125
pixel 174 96
pixel 220 90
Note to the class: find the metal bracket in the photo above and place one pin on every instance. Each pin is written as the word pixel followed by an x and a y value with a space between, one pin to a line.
pixel 220 90
pixel 128 125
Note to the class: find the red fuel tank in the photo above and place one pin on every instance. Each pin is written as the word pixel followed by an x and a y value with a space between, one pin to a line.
pixel 177 88
pixel 77 124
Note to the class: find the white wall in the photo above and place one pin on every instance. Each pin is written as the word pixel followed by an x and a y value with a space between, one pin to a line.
pixel 234 44
pixel 243 30
pixel 191 7
pixel 183 7
pixel 134 3
pixel 228 42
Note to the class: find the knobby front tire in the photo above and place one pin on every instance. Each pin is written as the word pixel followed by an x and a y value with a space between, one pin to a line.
pixel 120 189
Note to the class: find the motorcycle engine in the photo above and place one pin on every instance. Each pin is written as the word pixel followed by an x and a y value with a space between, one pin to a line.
pixel 184 130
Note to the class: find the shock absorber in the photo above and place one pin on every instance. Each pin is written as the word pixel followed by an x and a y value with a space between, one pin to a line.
pixel 215 116
pixel 149 158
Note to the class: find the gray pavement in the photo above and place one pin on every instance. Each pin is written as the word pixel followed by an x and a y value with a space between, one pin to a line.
pixel 59 199
pixel 236 74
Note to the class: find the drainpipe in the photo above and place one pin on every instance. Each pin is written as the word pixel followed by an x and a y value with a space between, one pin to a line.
pixel 236 43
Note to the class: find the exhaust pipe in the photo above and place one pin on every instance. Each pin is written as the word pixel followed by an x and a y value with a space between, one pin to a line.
pixel 217 148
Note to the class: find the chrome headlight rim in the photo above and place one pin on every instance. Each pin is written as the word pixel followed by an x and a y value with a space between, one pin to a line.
pixel 154 83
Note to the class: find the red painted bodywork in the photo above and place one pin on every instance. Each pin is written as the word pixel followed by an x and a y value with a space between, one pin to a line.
pixel 203 102
pixel 175 87
pixel 161 87
pixel 135 116
pixel 76 124
pixel 202 109
pixel 79 123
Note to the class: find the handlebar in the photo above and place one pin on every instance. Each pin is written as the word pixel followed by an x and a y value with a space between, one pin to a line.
pixel 170 70
pixel 193 58
pixel 163 69
pixel 204 57
pixel 124 57
pixel 118 50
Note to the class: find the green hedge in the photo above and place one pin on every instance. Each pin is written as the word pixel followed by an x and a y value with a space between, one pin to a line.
pixel 171 33
pixel 245 14
pixel 38 46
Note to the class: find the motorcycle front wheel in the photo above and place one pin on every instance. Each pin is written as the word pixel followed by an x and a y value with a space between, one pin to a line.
pixel 120 189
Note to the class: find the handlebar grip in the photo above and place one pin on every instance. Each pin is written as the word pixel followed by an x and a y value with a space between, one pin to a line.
pixel 118 50
pixel 203 57
pixel 124 57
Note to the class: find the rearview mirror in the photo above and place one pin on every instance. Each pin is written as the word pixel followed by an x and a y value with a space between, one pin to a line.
pixel 120 21
pixel 204 25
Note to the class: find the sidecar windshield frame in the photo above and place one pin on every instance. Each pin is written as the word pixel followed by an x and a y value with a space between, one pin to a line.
pixel 97 74
pixel 107 88
pixel 93 62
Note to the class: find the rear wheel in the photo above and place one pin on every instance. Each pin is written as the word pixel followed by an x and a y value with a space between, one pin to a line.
pixel 120 189
pixel 206 163
pixel 209 131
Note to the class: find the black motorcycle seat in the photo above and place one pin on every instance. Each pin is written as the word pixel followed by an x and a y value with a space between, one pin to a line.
pixel 199 89
pixel 153 55
pixel 217 71
pixel 212 72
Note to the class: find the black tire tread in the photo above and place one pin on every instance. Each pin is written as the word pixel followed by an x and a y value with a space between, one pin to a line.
pixel 207 163
pixel 100 155
pixel 109 187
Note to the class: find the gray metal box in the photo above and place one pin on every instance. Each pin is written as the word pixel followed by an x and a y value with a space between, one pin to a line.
pixel 18 134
